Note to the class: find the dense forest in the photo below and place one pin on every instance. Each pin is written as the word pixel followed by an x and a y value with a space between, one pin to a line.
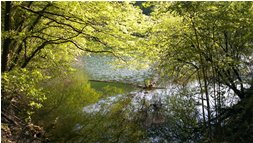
pixel 171 72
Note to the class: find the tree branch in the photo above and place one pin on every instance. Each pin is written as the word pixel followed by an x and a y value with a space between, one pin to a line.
pixel 34 53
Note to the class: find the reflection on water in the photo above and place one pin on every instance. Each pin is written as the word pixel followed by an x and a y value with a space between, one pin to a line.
pixel 138 116
pixel 100 67
pixel 170 114
pixel 157 114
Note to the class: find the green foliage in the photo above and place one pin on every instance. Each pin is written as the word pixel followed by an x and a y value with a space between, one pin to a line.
pixel 42 31
pixel 210 36
pixel 112 124
pixel 210 42
pixel 206 41
pixel 63 109
pixel 63 118
pixel 22 86
pixel 47 37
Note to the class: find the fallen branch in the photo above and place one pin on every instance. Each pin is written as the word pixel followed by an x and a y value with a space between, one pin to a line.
pixel 131 84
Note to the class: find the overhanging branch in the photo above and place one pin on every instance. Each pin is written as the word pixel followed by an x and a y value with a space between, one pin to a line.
pixel 94 51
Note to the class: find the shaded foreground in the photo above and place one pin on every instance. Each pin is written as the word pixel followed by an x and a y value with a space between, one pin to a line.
pixel 102 112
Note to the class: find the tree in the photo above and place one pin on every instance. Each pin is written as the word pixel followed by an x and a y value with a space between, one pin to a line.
pixel 213 31
pixel 32 29
pixel 210 42
pixel 46 37
pixel 42 39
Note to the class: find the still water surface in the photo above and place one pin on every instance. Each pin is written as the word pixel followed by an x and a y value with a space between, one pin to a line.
pixel 148 109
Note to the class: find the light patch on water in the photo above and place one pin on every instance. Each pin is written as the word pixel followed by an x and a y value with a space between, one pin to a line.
pixel 100 68
pixel 137 97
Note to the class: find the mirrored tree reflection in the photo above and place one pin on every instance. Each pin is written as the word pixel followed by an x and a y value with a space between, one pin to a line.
pixel 144 116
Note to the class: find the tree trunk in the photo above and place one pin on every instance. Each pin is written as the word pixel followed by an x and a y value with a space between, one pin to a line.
pixel 202 101
pixel 7 41
pixel 207 101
